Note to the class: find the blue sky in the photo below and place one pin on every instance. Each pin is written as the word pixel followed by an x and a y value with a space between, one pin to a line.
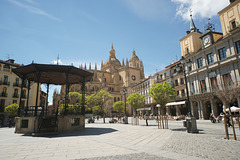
pixel 82 31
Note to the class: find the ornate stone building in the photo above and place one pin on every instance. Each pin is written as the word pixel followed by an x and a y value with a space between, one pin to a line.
pixel 212 61
pixel 10 88
pixel 112 77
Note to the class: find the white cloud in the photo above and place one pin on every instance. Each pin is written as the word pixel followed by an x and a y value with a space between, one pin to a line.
pixel 34 9
pixel 200 8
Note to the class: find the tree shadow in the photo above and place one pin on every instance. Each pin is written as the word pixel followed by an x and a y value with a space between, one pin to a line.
pixel 84 132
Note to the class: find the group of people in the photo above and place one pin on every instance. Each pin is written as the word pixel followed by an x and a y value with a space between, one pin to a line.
pixel 220 118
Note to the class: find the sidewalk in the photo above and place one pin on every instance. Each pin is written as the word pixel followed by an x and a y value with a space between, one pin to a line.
pixel 120 141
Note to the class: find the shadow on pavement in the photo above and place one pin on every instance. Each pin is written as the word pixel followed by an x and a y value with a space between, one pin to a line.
pixel 84 132
pixel 179 129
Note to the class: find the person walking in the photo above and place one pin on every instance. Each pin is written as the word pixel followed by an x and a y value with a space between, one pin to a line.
pixel 146 117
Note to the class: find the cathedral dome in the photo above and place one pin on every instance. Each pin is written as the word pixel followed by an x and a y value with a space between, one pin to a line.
pixel 134 56
pixel 112 59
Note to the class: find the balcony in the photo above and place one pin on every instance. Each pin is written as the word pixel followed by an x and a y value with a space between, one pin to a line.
pixel 6 69
pixel 3 94
pixel 4 83
pixel 180 97
pixel 16 84
pixel 15 96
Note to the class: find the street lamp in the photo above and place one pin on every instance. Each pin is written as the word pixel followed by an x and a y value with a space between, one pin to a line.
pixel 125 93
pixel 191 123
pixel 182 60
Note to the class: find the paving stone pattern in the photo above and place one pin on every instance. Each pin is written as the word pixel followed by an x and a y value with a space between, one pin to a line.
pixel 136 156
pixel 120 141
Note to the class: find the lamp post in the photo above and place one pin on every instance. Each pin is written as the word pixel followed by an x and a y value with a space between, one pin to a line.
pixel 182 60
pixel 191 123
pixel 125 93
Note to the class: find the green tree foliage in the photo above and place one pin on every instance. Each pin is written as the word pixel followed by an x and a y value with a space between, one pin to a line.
pixel 119 106
pixel 12 110
pixel 99 99
pixel 162 93
pixel 136 100
pixel 75 104
pixel 97 110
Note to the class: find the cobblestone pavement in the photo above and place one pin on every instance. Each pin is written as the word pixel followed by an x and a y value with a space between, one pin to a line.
pixel 136 156
pixel 118 141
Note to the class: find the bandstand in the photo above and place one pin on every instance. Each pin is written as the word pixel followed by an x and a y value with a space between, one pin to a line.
pixel 35 119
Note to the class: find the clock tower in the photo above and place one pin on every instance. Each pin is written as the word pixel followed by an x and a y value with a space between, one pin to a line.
pixel 209 36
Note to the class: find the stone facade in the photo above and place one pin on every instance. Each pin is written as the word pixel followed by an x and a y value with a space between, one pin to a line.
pixel 112 77
pixel 212 60
pixel 10 88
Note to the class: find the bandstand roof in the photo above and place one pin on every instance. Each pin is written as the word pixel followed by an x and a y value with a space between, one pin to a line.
pixel 53 74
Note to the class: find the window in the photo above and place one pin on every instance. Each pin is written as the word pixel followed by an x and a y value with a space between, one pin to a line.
pixel 227 79
pixel 189 68
pixel 183 93
pixel 176 82
pixel 210 58
pixel 233 24
pixel 15 101
pixel 115 99
pixel 222 53
pixel 118 99
pixel 203 86
pixel 200 62
pixel 120 78
pixel 214 83
pixel 182 81
pixel 161 77
pixel 15 94
pixel 237 46
pixel 192 88
pixel 5 80
pixel 175 71
pixel 17 82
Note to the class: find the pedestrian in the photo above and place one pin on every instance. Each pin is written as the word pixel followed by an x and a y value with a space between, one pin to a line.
pixel 10 123
pixel 228 121
pixel 146 117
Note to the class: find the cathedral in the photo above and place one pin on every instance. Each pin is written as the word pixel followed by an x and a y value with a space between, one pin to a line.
pixel 112 77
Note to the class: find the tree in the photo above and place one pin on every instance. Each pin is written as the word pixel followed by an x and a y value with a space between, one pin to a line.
pixel 75 103
pixel 228 94
pixel 119 106
pixel 162 93
pixel 136 101
pixel 12 110
pixel 99 99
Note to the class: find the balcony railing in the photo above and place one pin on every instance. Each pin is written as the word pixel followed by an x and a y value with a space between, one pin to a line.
pixel 16 84
pixel 15 96
pixel 6 69
pixel 180 97
pixel 3 94
pixel 213 89
pixel 4 83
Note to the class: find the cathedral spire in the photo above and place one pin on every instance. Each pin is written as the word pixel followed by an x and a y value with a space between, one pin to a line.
pixel 95 66
pixel 85 67
pixel 134 52
pixel 122 62
pixel 127 65
pixel 89 66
